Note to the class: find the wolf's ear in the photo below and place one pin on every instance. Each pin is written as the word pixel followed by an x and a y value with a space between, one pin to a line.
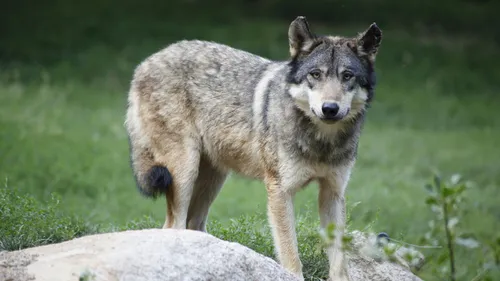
pixel 368 42
pixel 299 36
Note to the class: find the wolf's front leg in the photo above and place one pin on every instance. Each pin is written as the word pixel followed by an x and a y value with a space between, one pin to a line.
pixel 282 221
pixel 331 204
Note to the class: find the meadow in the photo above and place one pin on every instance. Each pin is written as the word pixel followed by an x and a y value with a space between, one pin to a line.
pixel 65 160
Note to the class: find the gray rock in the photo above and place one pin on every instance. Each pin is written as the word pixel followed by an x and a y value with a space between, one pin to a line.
pixel 367 263
pixel 168 254
pixel 153 254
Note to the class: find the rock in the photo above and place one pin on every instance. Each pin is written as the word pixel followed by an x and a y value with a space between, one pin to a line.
pixel 13 266
pixel 366 262
pixel 168 254
pixel 153 254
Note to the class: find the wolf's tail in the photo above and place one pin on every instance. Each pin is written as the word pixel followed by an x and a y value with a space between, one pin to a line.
pixel 151 179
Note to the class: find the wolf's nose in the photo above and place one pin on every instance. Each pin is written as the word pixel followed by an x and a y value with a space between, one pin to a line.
pixel 330 109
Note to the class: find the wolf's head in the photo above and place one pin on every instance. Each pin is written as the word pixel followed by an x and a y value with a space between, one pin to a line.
pixel 332 78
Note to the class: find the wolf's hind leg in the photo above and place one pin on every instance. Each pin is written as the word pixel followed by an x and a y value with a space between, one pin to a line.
pixel 207 187
pixel 183 163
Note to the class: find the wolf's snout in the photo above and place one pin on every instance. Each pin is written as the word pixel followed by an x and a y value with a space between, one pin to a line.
pixel 330 109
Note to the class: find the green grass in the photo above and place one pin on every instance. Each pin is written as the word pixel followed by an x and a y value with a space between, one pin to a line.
pixel 27 222
pixel 61 131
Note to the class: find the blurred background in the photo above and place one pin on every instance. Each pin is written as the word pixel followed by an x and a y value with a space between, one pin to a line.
pixel 65 69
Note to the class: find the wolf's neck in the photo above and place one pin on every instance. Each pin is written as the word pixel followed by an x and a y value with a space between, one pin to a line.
pixel 330 144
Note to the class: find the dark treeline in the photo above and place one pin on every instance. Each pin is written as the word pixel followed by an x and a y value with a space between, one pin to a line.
pixel 26 26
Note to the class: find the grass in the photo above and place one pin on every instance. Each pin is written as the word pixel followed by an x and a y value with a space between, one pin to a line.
pixel 61 132
pixel 27 222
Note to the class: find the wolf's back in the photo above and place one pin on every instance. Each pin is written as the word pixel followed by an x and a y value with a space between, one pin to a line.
pixel 200 82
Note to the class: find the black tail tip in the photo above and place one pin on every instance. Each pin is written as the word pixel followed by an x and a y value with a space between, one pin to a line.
pixel 158 180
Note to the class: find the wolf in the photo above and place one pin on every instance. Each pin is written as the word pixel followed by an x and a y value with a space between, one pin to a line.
pixel 198 110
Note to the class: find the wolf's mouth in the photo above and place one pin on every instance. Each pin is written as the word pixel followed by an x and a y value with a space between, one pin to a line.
pixel 330 120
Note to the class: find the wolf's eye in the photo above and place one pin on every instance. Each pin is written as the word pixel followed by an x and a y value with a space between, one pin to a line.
pixel 316 74
pixel 346 76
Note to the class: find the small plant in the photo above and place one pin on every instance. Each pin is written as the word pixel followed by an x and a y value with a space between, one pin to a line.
pixel 329 233
pixel 87 275
pixel 444 199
